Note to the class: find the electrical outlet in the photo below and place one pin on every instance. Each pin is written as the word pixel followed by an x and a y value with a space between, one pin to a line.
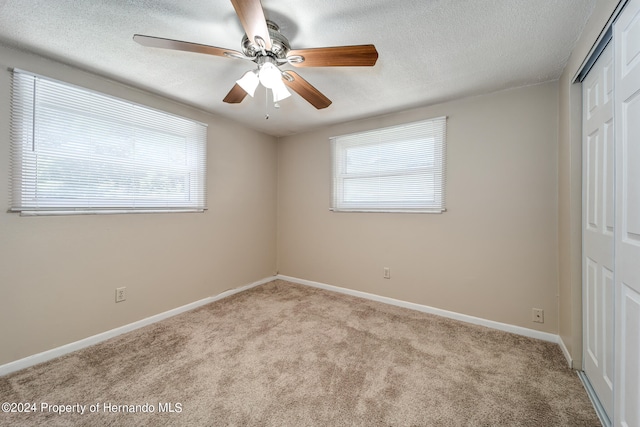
pixel 120 294
pixel 537 315
pixel 387 273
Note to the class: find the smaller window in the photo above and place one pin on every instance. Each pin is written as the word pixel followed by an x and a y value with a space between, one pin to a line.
pixel 78 151
pixel 394 169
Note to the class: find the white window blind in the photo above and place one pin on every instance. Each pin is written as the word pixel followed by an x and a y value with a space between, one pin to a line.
pixel 394 169
pixel 78 151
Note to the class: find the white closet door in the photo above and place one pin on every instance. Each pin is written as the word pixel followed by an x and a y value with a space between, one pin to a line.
pixel 598 231
pixel 627 246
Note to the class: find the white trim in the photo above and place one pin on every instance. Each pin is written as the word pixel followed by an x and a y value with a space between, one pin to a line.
pixel 565 351
pixel 95 339
pixel 545 336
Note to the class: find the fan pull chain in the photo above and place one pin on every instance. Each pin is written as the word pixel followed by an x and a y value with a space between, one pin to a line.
pixel 266 103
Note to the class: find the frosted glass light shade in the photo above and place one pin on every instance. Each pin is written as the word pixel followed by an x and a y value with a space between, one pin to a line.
pixel 280 92
pixel 249 82
pixel 269 75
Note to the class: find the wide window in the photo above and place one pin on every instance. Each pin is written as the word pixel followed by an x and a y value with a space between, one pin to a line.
pixel 78 151
pixel 394 169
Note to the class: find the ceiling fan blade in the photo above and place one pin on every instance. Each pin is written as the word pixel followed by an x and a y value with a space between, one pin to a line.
pixel 150 41
pixel 305 90
pixel 253 21
pixel 364 55
pixel 235 95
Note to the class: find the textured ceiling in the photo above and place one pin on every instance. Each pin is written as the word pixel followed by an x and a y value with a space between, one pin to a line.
pixel 429 50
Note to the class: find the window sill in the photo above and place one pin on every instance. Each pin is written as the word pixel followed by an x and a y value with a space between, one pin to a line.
pixel 104 212
pixel 419 211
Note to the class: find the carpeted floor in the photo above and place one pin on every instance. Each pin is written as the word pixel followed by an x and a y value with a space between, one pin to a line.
pixel 283 354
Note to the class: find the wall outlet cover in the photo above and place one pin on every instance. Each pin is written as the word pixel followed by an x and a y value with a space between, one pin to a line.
pixel 120 294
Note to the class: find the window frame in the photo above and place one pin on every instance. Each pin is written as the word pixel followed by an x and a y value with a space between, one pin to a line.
pixel 433 129
pixel 115 121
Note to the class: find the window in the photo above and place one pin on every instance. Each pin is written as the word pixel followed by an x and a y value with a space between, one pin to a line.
pixel 394 169
pixel 78 151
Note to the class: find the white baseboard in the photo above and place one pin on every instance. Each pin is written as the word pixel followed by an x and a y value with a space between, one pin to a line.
pixel 545 336
pixel 95 339
pixel 565 351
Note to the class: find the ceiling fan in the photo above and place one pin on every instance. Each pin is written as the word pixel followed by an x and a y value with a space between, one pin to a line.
pixel 269 49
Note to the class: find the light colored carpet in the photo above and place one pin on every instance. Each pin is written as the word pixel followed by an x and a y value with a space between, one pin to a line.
pixel 283 354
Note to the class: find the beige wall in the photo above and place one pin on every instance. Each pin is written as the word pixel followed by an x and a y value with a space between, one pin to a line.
pixel 493 254
pixel 570 185
pixel 58 274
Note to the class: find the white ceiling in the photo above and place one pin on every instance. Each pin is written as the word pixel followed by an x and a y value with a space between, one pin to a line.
pixel 429 50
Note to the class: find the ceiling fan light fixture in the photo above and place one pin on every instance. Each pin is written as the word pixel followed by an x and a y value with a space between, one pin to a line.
pixel 280 92
pixel 249 82
pixel 269 75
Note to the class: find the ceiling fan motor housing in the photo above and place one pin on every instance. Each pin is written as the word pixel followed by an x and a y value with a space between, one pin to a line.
pixel 279 44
